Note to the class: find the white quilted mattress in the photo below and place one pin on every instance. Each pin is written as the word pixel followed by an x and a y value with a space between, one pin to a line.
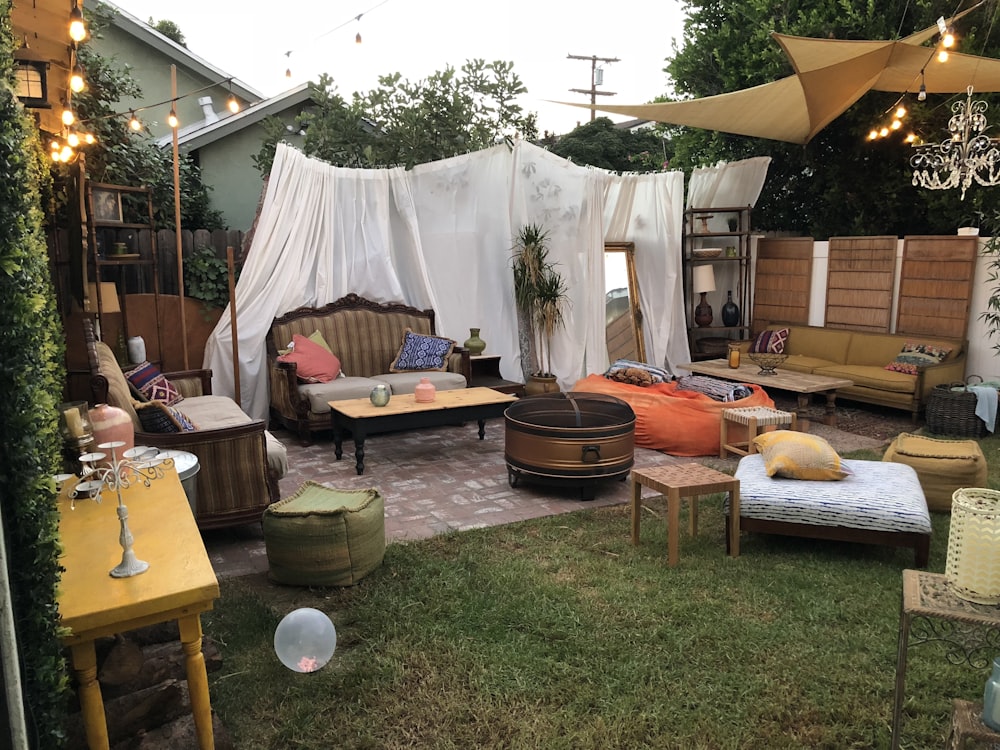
pixel 879 495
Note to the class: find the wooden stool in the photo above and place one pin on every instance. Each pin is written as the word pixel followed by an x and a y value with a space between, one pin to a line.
pixel 752 417
pixel 967 724
pixel 686 480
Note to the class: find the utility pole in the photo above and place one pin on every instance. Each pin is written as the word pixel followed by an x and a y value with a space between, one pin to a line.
pixel 594 82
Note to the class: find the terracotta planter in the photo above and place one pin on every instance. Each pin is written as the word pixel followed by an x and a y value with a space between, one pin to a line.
pixel 111 424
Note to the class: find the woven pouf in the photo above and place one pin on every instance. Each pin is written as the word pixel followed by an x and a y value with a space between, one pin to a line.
pixel 942 466
pixel 324 537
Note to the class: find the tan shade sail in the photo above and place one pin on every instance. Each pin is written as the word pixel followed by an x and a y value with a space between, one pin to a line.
pixel 830 76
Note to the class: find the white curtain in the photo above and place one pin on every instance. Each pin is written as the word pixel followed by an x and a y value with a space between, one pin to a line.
pixel 728 184
pixel 441 236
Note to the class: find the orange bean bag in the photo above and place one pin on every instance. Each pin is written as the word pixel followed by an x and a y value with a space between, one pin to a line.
pixel 681 423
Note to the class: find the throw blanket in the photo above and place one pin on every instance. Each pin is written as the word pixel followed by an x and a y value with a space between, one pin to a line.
pixel 986 404
pixel 720 390
pixel 681 423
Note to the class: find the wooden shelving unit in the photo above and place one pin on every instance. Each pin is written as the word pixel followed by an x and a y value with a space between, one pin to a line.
pixel 731 270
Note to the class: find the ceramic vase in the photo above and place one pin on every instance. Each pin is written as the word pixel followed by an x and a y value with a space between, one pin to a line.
pixel 136 350
pixel 991 698
pixel 424 392
pixel 538 384
pixel 111 423
pixel 380 395
pixel 730 312
pixel 474 344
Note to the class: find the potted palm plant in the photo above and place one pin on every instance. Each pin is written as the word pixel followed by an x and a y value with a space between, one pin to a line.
pixel 540 295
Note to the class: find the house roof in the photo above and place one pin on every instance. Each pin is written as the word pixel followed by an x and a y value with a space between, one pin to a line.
pixel 200 134
pixel 149 36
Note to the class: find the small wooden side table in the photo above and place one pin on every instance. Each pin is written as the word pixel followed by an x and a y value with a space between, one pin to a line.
pixel 930 611
pixel 485 369
pixel 686 480
pixel 967 724
pixel 751 417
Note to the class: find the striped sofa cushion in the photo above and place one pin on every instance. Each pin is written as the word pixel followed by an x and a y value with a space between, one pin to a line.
pixel 870 498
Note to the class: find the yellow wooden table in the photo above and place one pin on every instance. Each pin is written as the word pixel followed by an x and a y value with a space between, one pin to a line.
pixel 179 585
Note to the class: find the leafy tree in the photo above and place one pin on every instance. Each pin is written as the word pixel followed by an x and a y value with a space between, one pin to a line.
pixel 403 123
pixel 169 29
pixel 840 183
pixel 600 144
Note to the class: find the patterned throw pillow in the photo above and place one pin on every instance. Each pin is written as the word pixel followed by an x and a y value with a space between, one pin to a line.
pixel 636 373
pixel 770 341
pixel 151 383
pixel 421 352
pixel 798 455
pixel 914 357
pixel 156 416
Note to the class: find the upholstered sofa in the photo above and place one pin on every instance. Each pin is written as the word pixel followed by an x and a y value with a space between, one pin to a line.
pixel 862 356
pixel 365 337
pixel 240 462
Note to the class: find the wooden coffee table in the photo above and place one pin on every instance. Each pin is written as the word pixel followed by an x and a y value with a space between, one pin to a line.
pixel 801 383
pixel 403 412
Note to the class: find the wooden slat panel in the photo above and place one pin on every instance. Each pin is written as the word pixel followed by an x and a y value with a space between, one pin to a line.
pixel 783 280
pixel 935 285
pixel 859 283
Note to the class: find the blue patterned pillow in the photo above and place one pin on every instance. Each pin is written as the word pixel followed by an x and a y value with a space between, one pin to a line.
pixel 156 416
pixel 421 352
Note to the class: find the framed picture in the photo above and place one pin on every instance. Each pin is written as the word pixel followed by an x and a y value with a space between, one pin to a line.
pixel 107 205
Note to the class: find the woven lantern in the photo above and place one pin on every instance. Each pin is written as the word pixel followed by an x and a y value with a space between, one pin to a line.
pixel 973 565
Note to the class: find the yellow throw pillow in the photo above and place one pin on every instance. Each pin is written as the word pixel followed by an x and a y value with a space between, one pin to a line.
pixel 796 455
pixel 317 338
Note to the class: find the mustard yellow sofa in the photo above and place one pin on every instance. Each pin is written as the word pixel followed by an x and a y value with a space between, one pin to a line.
pixel 861 356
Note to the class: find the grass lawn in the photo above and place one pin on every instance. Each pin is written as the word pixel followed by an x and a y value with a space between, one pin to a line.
pixel 558 633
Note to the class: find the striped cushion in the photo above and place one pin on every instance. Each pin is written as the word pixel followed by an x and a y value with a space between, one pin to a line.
pixel 870 498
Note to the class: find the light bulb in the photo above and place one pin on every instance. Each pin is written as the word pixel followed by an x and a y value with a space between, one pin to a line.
pixel 172 118
pixel 883 132
pixel 76 79
pixel 134 123
pixel 89 139
pixel 65 154
pixel 896 125
pixel 234 106
pixel 948 40
pixel 68 118
pixel 922 95
pixel 357 38
pixel 911 138
pixel 73 139
pixel 900 112
pixel 943 56
pixel 873 135
pixel 288 72
pixel 77 27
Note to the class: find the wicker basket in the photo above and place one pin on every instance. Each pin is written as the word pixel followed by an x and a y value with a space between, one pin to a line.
pixel 951 411
pixel 972 568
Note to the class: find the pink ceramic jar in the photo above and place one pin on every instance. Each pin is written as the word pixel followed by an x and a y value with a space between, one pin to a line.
pixel 424 391
pixel 111 423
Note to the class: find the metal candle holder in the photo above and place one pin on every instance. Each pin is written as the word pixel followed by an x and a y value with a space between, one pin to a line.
pixel 136 465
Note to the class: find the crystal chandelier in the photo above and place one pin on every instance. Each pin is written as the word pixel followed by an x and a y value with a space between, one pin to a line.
pixel 968 155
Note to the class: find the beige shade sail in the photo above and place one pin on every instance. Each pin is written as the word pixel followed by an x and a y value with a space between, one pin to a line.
pixel 830 76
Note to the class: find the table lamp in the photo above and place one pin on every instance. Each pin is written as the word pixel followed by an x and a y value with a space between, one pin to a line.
pixel 703 281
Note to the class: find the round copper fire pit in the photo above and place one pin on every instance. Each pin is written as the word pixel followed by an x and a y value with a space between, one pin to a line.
pixel 571 439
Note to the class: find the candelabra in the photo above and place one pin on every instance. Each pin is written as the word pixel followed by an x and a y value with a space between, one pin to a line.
pixel 967 155
pixel 139 465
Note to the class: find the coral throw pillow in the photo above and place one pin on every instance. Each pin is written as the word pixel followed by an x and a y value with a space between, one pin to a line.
pixel 771 342
pixel 797 455
pixel 313 363
pixel 915 357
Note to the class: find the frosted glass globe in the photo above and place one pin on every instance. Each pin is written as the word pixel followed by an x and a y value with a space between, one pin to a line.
pixel 305 640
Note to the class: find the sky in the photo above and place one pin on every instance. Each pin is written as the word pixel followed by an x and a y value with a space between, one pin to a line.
pixel 417 38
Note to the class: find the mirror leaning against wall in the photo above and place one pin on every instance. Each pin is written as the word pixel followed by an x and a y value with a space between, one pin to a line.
pixel 623 318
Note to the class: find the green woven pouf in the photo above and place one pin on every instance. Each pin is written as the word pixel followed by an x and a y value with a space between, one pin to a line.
pixel 324 537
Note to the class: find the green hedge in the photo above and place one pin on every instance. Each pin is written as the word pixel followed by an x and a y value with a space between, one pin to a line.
pixel 32 374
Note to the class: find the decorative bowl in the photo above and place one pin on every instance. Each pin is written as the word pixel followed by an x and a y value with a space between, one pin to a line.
pixel 767 361
pixel 706 252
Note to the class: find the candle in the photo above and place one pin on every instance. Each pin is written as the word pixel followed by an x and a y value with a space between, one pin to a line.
pixel 73 423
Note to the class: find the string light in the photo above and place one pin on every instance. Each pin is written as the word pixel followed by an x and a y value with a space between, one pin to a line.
pixel 232 104
pixel 357 36
pixel 76 80
pixel 172 117
pixel 133 121
pixel 942 56
pixel 68 118
pixel 77 26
